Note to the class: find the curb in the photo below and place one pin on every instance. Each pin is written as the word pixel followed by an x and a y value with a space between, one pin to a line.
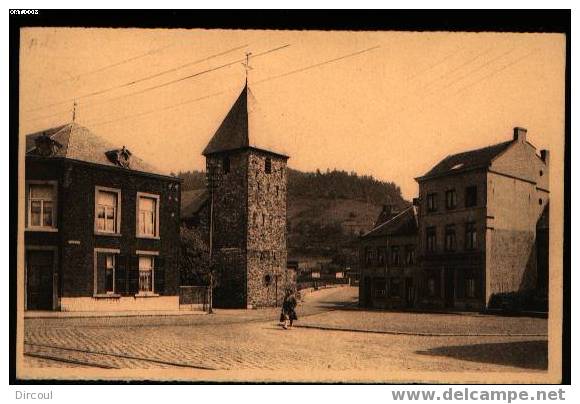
pixel 418 334
pixel 109 315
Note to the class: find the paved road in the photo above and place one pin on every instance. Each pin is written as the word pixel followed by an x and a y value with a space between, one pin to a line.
pixel 250 343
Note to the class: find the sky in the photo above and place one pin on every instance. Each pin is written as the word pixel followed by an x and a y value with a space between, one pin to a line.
pixel 388 104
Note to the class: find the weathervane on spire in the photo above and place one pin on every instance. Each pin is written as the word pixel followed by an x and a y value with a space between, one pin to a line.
pixel 74 111
pixel 247 65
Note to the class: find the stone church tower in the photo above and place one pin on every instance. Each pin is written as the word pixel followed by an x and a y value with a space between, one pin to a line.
pixel 249 205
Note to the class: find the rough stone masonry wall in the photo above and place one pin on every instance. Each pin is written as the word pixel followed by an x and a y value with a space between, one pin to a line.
pixel 266 238
pixel 229 237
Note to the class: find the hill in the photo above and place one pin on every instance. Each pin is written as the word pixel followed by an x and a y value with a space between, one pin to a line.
pixel 326 210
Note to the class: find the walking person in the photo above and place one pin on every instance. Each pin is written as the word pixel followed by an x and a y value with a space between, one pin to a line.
pixel 288 314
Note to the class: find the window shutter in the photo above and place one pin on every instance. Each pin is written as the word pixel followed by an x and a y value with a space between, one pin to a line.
pixel 133 276
pixel 159 275
pixel 101 262
pixel 121 275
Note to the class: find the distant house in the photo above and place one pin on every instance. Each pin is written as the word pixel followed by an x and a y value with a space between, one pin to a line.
pixel 389 271
pixel 195 209
pixel 101 226
pixel 478 224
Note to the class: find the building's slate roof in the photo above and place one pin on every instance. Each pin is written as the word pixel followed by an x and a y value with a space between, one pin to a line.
pixel 244 126
pixel 404 223
pixel 471 159
pixel 192 201
pixel 79 143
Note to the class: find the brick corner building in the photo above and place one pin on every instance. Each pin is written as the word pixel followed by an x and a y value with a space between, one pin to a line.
pixel 101 226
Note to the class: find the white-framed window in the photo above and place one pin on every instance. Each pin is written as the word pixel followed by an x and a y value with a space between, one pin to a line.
pixel 107 210
pixel 147 215
pixel 146 265
pixel 41 205
pixel 105 271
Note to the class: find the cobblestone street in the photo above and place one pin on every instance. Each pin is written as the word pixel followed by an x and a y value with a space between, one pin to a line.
pixel 331 334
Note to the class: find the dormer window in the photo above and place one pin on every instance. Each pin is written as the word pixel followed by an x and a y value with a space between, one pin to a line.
pixel 46 146
pixel 120 157
pixel 268 165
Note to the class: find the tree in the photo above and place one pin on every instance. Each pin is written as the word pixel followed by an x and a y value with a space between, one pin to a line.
pixel 194 259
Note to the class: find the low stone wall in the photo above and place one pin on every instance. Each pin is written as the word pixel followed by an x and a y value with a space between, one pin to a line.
pixel 145 303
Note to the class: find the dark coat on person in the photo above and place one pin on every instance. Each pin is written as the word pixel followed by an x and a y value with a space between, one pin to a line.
pixel 289 308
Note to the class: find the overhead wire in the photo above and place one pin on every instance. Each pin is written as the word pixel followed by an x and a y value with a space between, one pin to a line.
pixel 149 77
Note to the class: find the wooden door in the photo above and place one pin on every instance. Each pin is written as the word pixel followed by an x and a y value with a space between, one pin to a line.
pixel 39 280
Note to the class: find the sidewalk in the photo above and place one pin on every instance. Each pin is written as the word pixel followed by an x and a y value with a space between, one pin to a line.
pixel 424 324
pixel 88 314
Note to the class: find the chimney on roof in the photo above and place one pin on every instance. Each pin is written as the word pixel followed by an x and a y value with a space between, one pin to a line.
pixel 545 156
pixel 520 134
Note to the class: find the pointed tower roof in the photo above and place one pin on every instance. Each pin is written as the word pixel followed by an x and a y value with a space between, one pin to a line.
pixel 244 126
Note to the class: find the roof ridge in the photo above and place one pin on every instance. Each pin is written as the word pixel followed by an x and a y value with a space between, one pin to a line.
pixel 388 221
pixel 479 149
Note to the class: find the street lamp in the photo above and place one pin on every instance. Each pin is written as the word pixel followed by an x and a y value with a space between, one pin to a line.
pixel 213 178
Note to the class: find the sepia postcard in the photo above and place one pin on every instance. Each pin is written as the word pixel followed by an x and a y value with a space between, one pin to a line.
pixel 281 206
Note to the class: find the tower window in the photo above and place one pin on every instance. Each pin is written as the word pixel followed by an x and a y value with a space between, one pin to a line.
pixel 226 164
pixel 268 165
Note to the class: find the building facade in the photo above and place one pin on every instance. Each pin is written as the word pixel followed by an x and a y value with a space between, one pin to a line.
pixel 247 196
pixel 389 272
pixel 478 213
pixel 101 226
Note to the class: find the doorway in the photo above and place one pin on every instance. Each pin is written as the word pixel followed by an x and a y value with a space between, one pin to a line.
pixel 368 301
pixel 409 293
pixel 39 279
pixel 449 288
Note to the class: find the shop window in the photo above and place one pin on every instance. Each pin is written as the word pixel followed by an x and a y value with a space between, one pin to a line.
pixel 395 287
